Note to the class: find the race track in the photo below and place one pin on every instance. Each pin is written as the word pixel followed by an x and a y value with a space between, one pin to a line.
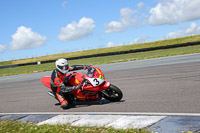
pixel 164 85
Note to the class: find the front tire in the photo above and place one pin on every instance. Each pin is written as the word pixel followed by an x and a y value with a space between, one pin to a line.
pixel 113 93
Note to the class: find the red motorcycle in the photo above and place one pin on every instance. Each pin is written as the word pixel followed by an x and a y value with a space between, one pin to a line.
pixel 94 87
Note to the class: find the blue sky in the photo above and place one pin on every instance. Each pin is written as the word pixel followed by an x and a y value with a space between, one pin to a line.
pixel 31 28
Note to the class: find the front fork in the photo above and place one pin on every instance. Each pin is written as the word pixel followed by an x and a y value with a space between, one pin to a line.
pixel 104 87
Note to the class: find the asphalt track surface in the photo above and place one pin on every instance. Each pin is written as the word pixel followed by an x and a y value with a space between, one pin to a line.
pixel 164 85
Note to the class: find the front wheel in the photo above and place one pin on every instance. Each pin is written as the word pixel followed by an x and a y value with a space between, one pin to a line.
pixel 113 93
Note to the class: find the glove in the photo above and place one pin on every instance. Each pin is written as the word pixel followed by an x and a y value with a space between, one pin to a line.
pixel 62 86
pixel 83 81
pixel 78 87
pixel 87 67
pixel 74 88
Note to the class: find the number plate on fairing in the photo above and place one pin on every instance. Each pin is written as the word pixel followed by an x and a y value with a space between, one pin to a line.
pixel 95 81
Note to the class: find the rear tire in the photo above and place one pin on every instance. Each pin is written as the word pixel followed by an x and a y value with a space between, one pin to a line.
pixel 113 93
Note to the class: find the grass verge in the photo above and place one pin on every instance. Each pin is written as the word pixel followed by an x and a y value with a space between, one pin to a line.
pixel 103 60
pixel 20 127
pixel 106 50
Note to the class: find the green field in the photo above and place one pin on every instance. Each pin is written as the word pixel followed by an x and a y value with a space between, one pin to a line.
pixel 110 59
pixel 20 127
pixel 103 60
pixel 106 50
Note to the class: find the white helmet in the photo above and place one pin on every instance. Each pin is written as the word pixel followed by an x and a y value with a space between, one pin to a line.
pixel 62 65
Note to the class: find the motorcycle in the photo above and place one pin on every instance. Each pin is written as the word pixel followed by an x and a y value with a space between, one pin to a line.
pixel 94 87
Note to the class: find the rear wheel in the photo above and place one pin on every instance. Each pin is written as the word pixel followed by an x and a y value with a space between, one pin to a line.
pixel 113 93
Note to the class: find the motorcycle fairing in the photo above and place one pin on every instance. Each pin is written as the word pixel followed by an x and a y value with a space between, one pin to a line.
pixel 46 81
pixel 84 95
pixel 95 81
pixel 105 85
pixel 76 78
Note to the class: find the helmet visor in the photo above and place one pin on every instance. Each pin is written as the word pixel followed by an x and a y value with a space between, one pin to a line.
pixel 65 67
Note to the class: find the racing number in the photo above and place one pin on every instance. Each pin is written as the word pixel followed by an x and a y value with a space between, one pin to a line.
pixel 97 82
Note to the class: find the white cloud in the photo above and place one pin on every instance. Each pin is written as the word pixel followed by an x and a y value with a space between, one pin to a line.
pixel 125 21
pixel 141 39
pixel 114 26
pixel 193 29
pixel 128 18
pixel 64 4
pixel 175 34
pixel 140 5
pixel 24 38
pixel 2 48
pixel 174 11
pixel 112 44
pixel 76 31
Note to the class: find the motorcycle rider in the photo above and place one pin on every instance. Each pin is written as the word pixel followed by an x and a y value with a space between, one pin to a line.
pixel 60 79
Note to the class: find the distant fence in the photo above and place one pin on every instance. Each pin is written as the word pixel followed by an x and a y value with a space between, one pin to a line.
pixel 108 54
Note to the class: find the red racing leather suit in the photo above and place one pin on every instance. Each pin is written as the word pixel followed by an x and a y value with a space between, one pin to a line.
pixel 59 80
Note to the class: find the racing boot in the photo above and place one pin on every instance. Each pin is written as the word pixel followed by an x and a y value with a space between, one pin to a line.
pixel 64 103
pixel 64 106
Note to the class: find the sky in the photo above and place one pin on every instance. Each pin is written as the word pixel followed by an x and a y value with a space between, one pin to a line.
pixel 32 28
